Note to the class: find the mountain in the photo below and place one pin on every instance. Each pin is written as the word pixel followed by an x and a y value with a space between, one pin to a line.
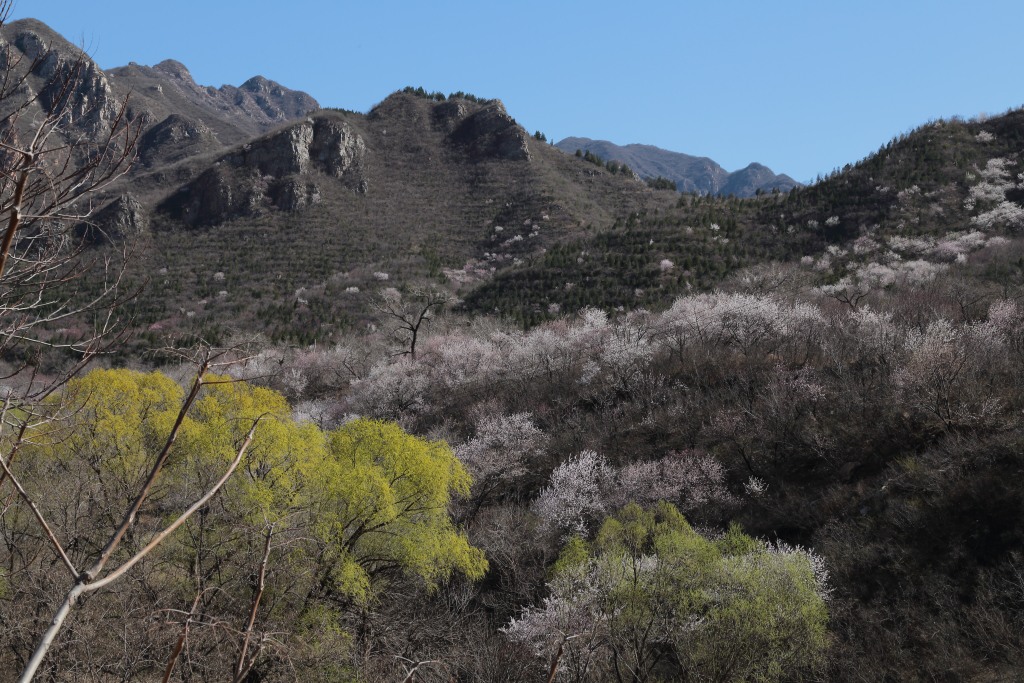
pixel 231 113
pixel 179 117
pixel 689 173
pixel 296 223
pixel 917 189
pixel 329 208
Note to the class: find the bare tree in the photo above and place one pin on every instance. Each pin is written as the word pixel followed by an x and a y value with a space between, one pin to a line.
pixel 51 168
pixel 59 148
pixel 407 314
pixel 94 578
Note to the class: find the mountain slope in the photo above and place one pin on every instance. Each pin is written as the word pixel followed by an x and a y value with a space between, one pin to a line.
pixel 304 222
pixel 923 198
pixel 689 173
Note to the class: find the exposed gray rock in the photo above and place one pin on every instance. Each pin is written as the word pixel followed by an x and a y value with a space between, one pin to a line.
pixel 491 132
pixel 275 101
pixel 217 195
pixel 54 62
pixel 336 147
pixel 448 115
pixel 275 167
pixel 31 44
pixel 278 154
pixel 125 217
pixel 232 112
pixel 327 145
pixel 176 137
pixel 292 194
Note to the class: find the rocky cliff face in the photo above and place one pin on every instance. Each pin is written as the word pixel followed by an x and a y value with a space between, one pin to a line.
pixel 278 170
pixel 174 138
pixel 326 145
pixel 491 132
pixel 121 219
pixel 255 105
pixel 336 147
pixel 59 72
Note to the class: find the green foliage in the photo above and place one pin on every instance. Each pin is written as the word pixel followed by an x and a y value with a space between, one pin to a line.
pixel 469 97
pixel 593 158
pixel 728 610
pixel 125 418
pixel 380 498
pixel 420 92
pixel 660 183
pixel 343 513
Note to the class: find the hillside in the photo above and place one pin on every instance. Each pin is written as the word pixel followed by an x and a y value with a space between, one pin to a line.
pixel 690 174
pixel 940 182
pixel 324 209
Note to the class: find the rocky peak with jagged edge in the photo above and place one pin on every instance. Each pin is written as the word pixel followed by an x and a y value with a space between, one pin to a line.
pixel 296 166
pixel 49 62
pixel 232 113
pixel 165 98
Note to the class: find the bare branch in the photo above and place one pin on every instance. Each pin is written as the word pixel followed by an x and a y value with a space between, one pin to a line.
pixel 243 667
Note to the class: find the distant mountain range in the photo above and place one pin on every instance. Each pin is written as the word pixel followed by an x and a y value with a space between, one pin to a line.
pixel 689 173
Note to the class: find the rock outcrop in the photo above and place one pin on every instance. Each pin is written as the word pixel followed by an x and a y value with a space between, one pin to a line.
pixel 492 133
pixel 278 154
pixel 448 115
pixel 123 218
pixel 60 73
pixel 336 147
pixel 260 100
pixel 326 145
pixel 277 102
pixel 220 193
pixel 174 138
pixel 276 171
pixel 292 194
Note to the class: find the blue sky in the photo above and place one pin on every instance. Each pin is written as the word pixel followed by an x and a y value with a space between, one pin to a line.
pixel 801 86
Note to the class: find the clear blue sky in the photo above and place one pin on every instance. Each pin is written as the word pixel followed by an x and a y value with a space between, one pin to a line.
pixel 801 86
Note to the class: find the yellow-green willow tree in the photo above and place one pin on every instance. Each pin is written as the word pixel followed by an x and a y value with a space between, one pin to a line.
pixel 296 521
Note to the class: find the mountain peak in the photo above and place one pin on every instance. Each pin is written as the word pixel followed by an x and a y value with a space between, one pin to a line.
pixel 175 69
pixel 260 84
pixel 34 38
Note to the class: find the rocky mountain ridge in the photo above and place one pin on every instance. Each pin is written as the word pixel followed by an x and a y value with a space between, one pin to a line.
pixel 179 117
